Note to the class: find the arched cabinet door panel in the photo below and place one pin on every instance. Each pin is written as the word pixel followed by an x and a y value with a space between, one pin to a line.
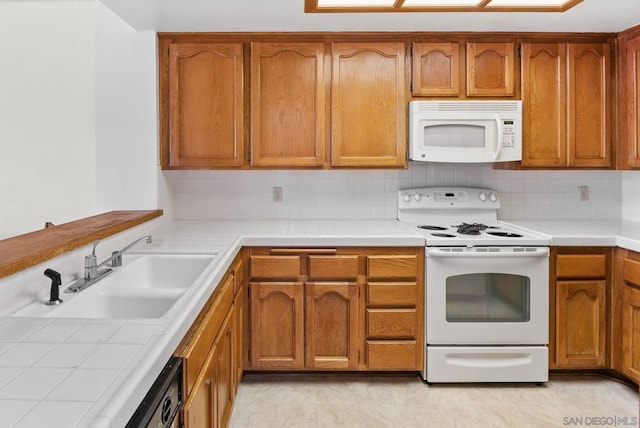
pixel 277 325
pixel 368 105
pixel 206 110
pixel 490 69
pixel 287 104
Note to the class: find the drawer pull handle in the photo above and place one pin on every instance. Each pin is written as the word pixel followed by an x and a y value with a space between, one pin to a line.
pixel 304 250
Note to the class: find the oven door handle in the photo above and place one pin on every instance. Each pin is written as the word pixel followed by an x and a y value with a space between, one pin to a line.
pixel 539 252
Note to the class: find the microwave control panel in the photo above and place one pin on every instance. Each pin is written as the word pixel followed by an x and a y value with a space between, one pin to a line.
pixel 508 134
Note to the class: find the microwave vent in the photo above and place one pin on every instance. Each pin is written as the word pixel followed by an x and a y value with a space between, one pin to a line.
pixel 489 106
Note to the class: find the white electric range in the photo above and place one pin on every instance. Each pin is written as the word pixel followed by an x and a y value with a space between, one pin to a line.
pixel 486 290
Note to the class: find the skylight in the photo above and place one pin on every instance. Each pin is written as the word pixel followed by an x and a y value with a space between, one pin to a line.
pixel 439 5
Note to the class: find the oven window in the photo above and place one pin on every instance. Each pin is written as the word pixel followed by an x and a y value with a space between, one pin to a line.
pixel 454 135
pixel 488 297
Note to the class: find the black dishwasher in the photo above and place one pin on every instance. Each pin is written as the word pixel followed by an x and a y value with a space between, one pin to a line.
pixel 161 405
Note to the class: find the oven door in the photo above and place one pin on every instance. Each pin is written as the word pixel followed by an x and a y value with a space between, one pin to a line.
pixel 487 296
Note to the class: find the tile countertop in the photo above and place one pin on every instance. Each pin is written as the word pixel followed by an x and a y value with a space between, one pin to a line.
pixel 94 373
pixel 606 232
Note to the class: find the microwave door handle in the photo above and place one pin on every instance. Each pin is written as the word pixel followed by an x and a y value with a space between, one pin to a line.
pixel 499 130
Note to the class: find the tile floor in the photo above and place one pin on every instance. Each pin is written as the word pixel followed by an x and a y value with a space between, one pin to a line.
pixel 405 401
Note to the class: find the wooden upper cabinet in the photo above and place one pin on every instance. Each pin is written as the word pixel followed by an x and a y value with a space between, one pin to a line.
pixel 630 91
pixel 543 105
pixel 566 104
pixel 205 105
pixel 490 69
pixel 588 106
pixel 368 105
pixel 287 104
pixel 436 69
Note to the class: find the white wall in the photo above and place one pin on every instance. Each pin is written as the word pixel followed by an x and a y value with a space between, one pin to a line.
pixel 372 194
pixel 47 144
pixel 126 115
pixel 631 195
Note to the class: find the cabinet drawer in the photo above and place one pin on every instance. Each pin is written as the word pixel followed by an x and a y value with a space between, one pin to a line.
pixel 391 323
pixel 631 271
pixel 198 348
pixel 333 267
pixel 275 266
pixel 392 294
pixel 392 266
pixel 581 266
pixel 392 354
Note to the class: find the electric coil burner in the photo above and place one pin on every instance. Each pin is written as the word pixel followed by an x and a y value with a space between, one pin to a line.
pixel 428 227
pixel 486 288
pixel 471 229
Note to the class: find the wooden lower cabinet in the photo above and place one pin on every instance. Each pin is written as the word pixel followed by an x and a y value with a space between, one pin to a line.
pixel 277 325
pixel 331 325
pixel 348 308
pixel 631 332
pixel 628 323
pixel 225 371
pixel 200 408
pixel 239 325
pixel 581 324
pixel 212 354
pixel 579 297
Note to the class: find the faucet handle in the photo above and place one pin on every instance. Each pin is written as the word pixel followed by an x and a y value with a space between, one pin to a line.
pixel 95 244
pixel 116 259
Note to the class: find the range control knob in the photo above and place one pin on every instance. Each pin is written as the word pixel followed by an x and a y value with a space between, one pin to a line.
pixel 482 196
pixel 417 196
pixel 493 197
pixel 406 197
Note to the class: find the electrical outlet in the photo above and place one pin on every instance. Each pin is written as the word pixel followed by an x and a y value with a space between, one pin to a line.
pixel 584 193
pixel 277 194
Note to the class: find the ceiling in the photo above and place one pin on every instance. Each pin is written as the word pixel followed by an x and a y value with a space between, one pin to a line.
pixel 288 15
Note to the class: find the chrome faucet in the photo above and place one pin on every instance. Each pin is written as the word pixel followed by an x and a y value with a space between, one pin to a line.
pixel 92 270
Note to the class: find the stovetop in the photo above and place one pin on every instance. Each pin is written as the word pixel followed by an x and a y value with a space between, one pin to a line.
pixel 457 216
pixel 493 234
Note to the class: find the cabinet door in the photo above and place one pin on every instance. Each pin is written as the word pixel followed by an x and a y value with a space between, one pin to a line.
pixel 631 332
pixel 225 371
pixel 632 71
pixel 331 325
pixel 581 324
pixel 588 103
pixel 239 337
pixel 206 105
pixel 436 69
pixel 543 104
pixel 277 325
pixel 199 411
pixel 368 105
pixel 490 69
pixel 287 104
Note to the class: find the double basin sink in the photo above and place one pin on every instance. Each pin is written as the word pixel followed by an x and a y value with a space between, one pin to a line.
pixel 145 286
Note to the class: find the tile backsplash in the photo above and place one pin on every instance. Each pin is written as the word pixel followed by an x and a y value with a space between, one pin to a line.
pixel 372 194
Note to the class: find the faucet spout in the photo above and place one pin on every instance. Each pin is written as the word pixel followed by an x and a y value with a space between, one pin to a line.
pixel 92 271
pixel 116 256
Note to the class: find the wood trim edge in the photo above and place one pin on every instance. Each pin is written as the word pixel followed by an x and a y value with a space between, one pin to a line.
pixel 25 251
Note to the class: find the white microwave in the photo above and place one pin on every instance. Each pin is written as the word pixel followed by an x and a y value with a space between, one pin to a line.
pixel 465 131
